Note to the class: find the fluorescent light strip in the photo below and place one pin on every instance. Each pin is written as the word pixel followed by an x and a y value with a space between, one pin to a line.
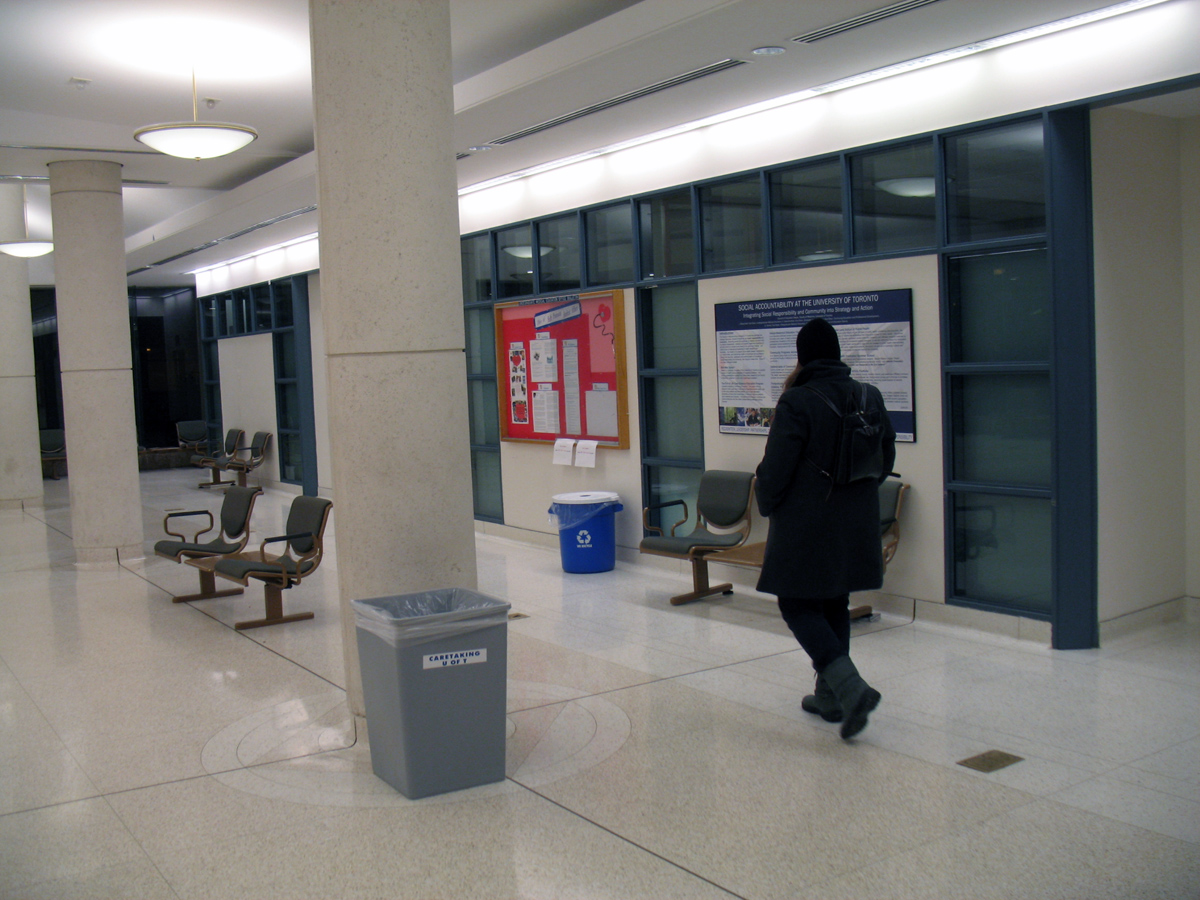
pixel 899 68
pixel 263 252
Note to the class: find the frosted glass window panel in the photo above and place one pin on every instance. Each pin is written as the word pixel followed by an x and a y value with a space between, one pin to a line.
pixel 668 235
pixel 481 341
pixel 484 414
pixel 893 193
pixel 1000 306
pixel 1003 429
pixel 288 398
pixel 731 224
pixel 208 317
pixel 610 244
pixel 558 254
pixel 291 461
pixel 667 483
pixel 514 261
pixel 281 292
pixel 261 296
pixel 672 417
pixel 995 182
pixel 807 214
pixel 485 484
pixel 285 355
pixel 1002 551
pixel 671 337
pixel 477 269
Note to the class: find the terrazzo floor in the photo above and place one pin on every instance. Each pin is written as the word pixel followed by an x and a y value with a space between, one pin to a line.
pixel 148 750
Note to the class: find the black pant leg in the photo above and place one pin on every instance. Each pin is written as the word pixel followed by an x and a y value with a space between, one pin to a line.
pixel 818 628
pixel 837 614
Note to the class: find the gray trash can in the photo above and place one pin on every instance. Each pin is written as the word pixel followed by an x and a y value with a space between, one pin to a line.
pixel 435 671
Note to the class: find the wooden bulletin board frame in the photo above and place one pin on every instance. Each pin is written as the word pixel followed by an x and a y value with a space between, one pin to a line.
pixel 560 369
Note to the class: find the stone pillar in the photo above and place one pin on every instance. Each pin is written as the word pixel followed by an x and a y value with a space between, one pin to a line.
pixel 391 295
pixel 96 361
pixel 20 459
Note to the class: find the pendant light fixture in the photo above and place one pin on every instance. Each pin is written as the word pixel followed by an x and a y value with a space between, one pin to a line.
pixel 196 139
pixel 26 249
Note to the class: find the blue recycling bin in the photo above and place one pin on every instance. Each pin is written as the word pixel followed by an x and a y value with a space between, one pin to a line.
pixel 587 530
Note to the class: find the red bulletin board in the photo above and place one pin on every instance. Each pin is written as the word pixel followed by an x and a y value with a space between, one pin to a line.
pixel 560 368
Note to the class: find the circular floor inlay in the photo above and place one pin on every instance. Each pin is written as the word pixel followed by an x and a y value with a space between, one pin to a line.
pixel 305 751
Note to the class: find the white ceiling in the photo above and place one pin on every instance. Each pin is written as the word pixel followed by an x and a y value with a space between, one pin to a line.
pixel 517 63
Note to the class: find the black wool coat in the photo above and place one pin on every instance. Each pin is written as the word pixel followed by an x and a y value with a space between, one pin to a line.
pixel 823 539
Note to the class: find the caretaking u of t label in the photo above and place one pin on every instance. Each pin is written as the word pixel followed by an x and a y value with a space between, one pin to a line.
pixel 454 658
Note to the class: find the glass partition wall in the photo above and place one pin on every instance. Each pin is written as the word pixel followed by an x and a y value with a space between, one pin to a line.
pixel 975 196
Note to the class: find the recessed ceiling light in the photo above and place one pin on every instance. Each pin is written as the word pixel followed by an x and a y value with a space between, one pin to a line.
pixel 480 149
pixel 768 51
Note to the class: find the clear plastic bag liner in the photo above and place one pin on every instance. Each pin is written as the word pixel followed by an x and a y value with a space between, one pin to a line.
pixel 406 620
pixel 572 515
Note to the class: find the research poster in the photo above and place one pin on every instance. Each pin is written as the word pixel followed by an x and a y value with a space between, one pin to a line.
pixel 756 351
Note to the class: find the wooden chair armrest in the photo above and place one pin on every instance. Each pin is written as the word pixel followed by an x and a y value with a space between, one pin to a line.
pixel 646 515
pixel 287 577
pixel 192 512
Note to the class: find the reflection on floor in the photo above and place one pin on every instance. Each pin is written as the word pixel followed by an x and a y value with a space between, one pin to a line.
pixel 148 750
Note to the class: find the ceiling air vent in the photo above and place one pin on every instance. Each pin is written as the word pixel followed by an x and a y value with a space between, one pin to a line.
pixel 702 72
pixel 867 18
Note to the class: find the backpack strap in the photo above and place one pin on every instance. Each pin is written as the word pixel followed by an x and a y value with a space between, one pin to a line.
pixel 837 412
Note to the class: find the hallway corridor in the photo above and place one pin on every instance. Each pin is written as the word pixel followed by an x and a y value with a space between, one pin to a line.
pixel 148 750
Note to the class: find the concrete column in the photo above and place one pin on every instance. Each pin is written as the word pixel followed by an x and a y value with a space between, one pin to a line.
pixel 96 361
pixel 392 299
pixel 20 459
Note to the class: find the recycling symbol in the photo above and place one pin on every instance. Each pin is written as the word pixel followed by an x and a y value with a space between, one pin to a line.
pixel 583 538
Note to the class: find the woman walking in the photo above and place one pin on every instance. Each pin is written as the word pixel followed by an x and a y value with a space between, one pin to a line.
pixel 823 541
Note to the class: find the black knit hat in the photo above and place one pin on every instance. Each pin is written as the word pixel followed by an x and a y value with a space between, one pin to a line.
pixel 817 340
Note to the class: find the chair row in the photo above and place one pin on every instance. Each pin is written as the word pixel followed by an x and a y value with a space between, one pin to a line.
pixel 226 556
pixel 723 507
pixel 193 436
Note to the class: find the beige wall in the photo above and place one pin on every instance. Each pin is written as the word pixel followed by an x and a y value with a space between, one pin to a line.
pixel 1140 361
pixel 531 479
pixel 320 377
pixel 1189 158
pixel 917 571
pixel 248 394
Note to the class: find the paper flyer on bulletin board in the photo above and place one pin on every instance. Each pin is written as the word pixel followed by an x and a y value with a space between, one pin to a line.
pixel 756 351
pixel 561 368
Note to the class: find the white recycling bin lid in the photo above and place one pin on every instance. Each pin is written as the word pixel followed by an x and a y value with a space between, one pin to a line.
pixel 587 497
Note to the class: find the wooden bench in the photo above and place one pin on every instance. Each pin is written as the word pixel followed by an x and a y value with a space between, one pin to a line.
pixel 891 499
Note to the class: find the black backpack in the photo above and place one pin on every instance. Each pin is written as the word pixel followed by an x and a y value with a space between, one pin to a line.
pixel 859 452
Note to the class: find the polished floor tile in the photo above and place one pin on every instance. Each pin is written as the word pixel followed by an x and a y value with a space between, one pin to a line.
pixel 149 750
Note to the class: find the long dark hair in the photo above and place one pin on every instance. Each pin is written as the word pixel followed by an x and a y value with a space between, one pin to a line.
pixel 790 381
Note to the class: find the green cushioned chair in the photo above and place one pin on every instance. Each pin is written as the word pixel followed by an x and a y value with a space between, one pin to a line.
pixel 54 450
pixel 233 439
pixel 247 459
pixel 236 510
pixel 722 502
pixel 192 435
pixel 303 549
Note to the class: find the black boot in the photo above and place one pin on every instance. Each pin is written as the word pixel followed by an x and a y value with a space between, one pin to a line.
pixel 823 702
pixel 856 696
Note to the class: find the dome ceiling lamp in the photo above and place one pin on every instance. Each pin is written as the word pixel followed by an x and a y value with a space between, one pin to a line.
pixel 27 248
pixel 196 139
